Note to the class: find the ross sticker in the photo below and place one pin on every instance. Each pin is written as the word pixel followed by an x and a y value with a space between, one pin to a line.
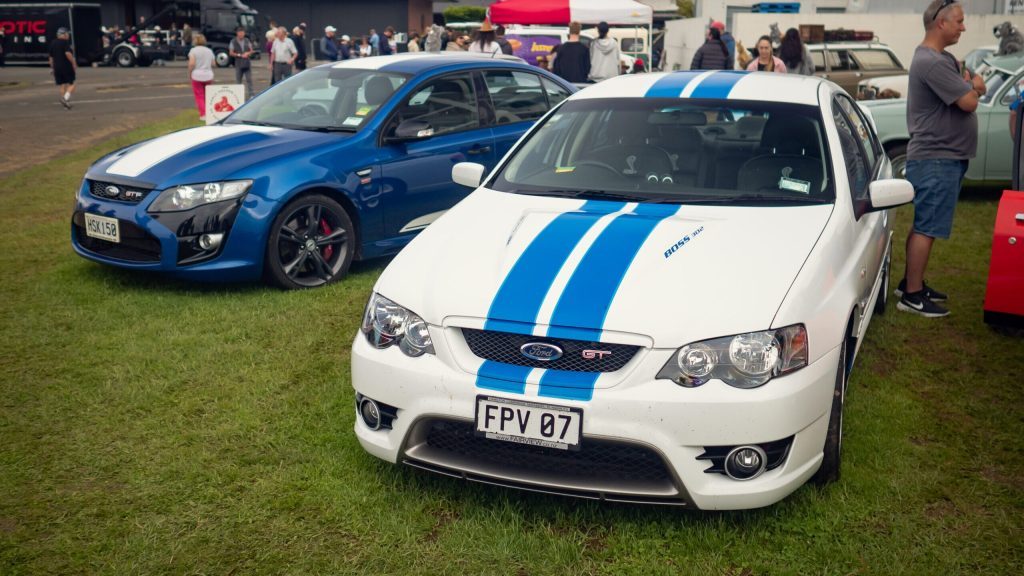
pixel 352 121
pixel 363 111
pixel 801 186
pixel 564 169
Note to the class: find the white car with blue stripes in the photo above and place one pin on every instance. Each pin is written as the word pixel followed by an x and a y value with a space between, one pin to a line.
pixel 656 297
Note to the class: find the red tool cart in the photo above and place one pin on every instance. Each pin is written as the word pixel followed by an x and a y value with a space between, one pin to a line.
pixel 1004 295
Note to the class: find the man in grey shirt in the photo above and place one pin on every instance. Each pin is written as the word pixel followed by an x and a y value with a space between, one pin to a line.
pixel 241 49
pixel 941 100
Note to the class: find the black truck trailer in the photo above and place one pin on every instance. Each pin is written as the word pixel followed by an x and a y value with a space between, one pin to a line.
pixel 29 29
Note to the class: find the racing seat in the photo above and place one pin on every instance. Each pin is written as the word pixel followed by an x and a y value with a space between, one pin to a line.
pixel 451 107
pixel 684 145
pixel 790 149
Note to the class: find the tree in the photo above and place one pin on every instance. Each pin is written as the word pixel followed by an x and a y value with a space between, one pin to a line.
pixel 464 14
pixel 686 9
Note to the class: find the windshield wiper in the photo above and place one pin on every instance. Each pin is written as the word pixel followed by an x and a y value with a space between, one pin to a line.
pixel 325 128
pixel 749 198
pixel 255 123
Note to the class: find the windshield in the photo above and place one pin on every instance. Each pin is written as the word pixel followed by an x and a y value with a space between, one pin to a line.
pixel 994 80
pixel 321 99
pixel 676 151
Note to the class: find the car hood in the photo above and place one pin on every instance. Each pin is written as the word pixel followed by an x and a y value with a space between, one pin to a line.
pixel 657 274
pixel 206 153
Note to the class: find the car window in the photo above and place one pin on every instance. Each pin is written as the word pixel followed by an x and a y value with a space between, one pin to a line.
pixel 861 128
pixel 851 140
pixel 840 60
pixel 994 80
pixel 819 60
pixel 517 96
pixel 632 45
pixel 448 104
pixel 668 150
pixel 555 92
pixel 322 98
pixel 875 60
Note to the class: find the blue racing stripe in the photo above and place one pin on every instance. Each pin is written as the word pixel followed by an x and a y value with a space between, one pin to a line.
pixel 671 85
pixel 568 385
pixel 522 293
pixel 588 296
pixel 502 377
pixel 718 85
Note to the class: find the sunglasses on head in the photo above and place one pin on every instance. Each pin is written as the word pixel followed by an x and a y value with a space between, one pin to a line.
pixel 943 6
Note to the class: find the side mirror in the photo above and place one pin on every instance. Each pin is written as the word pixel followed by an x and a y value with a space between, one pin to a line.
pixel 412 130
pixel 890 193
pixel 468 174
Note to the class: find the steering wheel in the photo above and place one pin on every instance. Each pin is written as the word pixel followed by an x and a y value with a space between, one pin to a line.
pixel 311 110
pixel 599 164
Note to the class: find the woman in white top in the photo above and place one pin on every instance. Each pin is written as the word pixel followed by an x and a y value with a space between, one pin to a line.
pixel 200 71
pixel 485 41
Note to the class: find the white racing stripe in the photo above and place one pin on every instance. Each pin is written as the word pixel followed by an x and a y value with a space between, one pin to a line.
pixel 694 84
pixel 152 153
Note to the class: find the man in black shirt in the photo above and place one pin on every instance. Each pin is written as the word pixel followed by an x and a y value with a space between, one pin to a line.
pixel 572 58
pixel 62 66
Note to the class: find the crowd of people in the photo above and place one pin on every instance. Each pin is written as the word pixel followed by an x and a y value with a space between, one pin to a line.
pixel 721 51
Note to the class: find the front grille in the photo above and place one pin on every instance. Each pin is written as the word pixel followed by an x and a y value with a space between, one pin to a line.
pixel 775 452
pixel 595 461
pixel 136 244
pixel 119 192
pixel 504 347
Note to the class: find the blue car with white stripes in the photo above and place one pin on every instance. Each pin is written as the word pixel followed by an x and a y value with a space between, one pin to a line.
pixel 344 161
pixel 656 297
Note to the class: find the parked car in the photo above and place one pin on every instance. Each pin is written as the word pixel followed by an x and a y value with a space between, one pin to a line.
pixel 883 87
pixel 656 297
pixel 848 63
pixel 345 161
pixel 976 58
pixel 992 164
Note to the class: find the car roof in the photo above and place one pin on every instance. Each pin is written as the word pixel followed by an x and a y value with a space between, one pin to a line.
pixel 417 62
pixel 715 84
pixel 849 45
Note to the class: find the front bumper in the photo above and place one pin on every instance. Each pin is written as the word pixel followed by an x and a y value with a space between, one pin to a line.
pixel 168 242
pixel 651 418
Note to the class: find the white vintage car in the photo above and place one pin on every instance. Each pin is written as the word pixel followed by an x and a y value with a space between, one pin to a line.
pixel 656 297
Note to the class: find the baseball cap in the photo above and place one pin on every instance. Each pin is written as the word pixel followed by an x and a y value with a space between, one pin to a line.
pixel 330 29
pixel 719 25
pixel 345 37
pixel 62 31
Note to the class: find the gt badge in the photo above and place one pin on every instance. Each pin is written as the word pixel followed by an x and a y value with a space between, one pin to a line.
pixel 596 354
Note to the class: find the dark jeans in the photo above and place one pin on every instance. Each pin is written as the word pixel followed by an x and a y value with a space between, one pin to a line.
pixel 245 73
pixel 281 71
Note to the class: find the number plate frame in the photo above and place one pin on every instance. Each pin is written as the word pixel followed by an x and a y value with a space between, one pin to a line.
pixel 100 221
pixel 536 411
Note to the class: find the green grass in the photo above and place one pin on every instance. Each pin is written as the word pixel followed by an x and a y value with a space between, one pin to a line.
pixel 155 427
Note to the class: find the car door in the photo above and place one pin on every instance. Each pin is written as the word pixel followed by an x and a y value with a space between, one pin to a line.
pixel 416 174
pixel 994 128
pixel 863 155
pixel 518 99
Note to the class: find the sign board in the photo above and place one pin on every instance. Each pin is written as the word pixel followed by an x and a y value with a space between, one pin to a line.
pixel 222 100
pixel 529 46
pixel 1014 7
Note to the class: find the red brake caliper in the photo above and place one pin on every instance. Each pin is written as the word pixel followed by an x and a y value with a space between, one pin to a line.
pixel 328 250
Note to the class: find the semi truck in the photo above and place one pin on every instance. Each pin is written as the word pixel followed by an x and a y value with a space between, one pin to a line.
pixel 215 19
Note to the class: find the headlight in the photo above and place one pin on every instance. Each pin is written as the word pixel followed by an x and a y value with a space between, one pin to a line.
pixel 188 196
pixel 386 323
pixel 744 361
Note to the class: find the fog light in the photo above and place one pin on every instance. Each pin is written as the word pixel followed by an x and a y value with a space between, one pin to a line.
pixel 370 413
pixel 210 241
pixel 745 462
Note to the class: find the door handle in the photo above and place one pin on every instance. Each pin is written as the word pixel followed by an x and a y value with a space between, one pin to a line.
pixel 479 150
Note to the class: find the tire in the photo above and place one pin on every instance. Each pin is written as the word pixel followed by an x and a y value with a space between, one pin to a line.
pixel 311 243
pixel 124 58
pixel 830 464
pixel 222 58
pixel 897 154
pixel 883 290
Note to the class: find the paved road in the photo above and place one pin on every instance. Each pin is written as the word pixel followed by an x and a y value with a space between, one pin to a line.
pixel 34 127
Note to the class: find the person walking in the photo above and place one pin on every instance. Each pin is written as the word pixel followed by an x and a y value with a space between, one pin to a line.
pixel 713 54
pixel 604 55
pixel 282 56
pixel 766 60
pixel 414 42
pixel 242 49
pixel 328 46
pixel 795 54
pixel 941 100
pixel 299 39
pixel 63 66
pixel 485 42
pixel 200 71
pixel 374 42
